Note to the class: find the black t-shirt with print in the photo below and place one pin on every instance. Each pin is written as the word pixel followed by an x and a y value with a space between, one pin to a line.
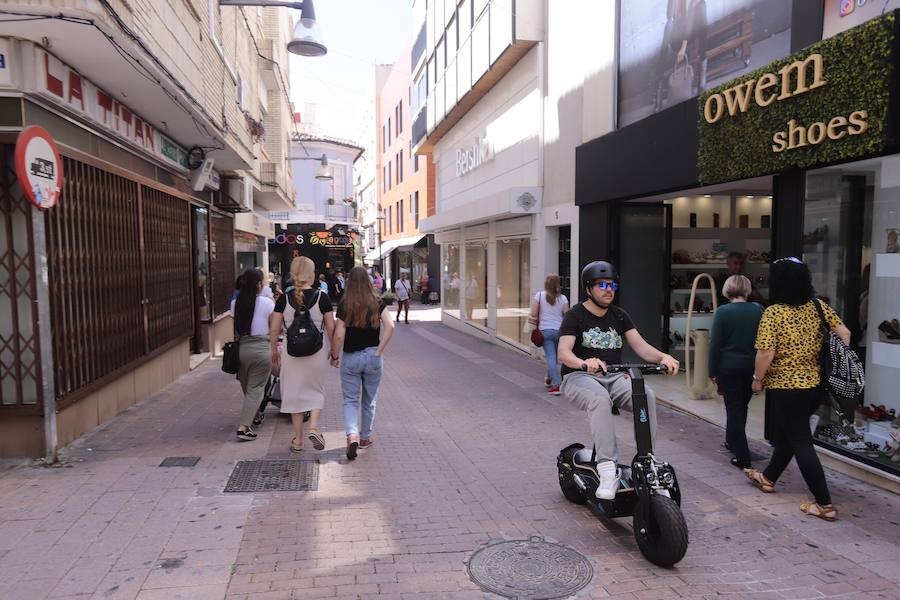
pixel 596 337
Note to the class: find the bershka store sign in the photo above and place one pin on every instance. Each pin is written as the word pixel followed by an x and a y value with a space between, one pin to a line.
pixel 469 159
pixel 66 87
pixel 828 103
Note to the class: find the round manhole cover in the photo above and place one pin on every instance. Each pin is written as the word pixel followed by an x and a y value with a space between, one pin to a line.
pixel 530 569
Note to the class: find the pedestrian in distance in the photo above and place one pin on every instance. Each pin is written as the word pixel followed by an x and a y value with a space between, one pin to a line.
pixel 548 307
pixel 252 315
pixel 323 285
pixel 403 292
pixel 731 356
pixel 303 377
pixel 364 329
pixel 788 353
pixel 423 288
pixel 378 282
pixel 266 289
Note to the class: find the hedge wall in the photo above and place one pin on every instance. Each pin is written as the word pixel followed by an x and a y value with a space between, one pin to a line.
pixel 857 69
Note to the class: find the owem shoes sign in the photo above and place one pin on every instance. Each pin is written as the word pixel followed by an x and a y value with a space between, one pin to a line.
pixel 828 103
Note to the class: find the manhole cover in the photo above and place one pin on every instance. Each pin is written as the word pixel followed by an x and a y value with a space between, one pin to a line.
pixel 274 476
pixel 180 461
pixel 530 569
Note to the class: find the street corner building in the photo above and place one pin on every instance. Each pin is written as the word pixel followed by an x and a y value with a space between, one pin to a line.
pixel 167 146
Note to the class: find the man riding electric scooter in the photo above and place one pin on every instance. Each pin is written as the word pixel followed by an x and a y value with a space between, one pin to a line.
pixel 591 336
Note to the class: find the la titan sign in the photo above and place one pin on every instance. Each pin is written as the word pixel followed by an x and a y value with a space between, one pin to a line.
pixel 789 81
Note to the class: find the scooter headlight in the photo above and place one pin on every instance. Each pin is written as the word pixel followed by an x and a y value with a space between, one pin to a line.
pixel 667 478
pixel 651 478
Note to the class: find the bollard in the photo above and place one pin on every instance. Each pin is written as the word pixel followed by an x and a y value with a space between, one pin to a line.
pixel 701 387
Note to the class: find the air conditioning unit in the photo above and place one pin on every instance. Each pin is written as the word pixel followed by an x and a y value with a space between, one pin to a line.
pixel 241 191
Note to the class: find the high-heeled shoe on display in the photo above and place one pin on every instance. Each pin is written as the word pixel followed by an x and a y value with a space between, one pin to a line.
pixel 889 331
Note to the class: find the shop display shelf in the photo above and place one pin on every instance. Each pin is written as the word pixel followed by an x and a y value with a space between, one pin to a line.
pixel 713 265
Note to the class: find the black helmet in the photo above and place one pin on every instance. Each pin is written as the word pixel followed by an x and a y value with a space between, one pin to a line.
pixel 599 269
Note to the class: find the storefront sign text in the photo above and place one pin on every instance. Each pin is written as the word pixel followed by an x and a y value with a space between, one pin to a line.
pixel 65 86
pixel 469 159
pixel 791 80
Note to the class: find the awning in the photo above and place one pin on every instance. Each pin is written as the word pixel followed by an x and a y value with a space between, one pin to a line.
pixel 391 245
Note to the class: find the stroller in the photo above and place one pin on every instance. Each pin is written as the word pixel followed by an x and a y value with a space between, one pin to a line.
pixel 272 394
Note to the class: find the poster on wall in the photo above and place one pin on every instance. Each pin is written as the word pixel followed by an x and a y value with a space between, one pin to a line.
pixel 841 15
pixel 671 50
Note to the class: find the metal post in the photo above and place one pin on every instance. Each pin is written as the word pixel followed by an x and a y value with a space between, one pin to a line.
pixel 42 306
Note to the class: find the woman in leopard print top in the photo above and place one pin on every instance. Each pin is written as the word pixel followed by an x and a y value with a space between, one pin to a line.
pixel 788 345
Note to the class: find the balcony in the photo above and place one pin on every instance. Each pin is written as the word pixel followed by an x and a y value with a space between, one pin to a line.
pixel 268 173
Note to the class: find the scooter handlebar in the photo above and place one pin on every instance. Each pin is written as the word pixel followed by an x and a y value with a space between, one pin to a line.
pixel 646 368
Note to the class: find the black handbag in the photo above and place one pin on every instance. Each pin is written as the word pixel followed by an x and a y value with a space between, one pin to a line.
pixel 231 357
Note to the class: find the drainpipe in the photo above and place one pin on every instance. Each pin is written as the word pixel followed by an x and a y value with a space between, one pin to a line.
pixel 42 306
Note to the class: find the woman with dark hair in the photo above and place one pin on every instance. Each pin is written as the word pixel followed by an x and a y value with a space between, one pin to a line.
pixel 360 318
pixel 788 345
pixel 252 315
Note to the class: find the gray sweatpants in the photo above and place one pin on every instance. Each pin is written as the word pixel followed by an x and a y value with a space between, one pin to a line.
pixel 253 373
pixel 597 394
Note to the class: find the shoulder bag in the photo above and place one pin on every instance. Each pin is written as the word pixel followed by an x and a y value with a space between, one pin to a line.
pixel 231 356
pixel 842 371
pixel 537 338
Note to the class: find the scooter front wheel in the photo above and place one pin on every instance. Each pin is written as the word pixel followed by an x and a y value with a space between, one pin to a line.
pixel 663 540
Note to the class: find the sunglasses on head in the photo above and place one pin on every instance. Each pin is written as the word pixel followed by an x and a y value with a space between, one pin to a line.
pixel 607 285
pixel 793 259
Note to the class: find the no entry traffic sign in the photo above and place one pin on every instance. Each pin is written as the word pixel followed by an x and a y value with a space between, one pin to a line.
pixel 38 166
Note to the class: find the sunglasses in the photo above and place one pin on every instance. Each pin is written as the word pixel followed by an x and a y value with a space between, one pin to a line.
pixel 607 285
pixel 793 259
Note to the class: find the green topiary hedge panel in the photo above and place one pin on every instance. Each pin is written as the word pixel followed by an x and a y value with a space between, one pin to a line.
pixel 857 69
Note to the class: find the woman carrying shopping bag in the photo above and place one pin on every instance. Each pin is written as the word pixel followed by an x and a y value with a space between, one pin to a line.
pixel 547 310
pixel 302 378
pixel 363 331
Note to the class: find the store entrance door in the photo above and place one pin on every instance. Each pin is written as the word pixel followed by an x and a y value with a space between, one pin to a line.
pixel 641 256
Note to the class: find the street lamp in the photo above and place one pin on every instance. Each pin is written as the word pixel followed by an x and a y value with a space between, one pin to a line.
pixel 324 172
pixel 306 39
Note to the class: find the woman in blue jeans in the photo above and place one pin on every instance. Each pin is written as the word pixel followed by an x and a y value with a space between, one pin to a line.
pixel 547 309
pixel 361 316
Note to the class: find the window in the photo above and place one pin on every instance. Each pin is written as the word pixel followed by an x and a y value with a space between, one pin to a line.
pixel 475 285
pixel 400 167
pixel 240 92
pixel 464 19
pixel 400 118
pixel 388 134
pixel 397 214
pixel 415 208
pixel 450 282
pixel 513 288
pixel 400 217
pixel 384 179
pixel 390 223
pixel 389 177
pixel 451 38
pixel 384 139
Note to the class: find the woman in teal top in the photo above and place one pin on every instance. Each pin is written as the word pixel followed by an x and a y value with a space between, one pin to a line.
pixel 731 362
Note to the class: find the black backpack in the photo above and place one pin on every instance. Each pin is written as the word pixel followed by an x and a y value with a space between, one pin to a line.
pixel 303 337
pixel 842 371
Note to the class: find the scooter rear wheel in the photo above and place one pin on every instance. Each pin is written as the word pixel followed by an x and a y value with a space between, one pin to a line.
pixel 664 540
pixel 567 483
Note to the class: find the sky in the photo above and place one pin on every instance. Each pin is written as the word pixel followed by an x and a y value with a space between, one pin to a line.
pixel 358 34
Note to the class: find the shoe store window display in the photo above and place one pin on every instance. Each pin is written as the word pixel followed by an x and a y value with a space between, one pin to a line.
pixel 591 336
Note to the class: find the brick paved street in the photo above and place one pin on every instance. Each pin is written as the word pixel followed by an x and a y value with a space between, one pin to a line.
pixel 465 454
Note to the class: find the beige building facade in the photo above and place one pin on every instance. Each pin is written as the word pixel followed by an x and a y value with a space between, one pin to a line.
pixel 172 121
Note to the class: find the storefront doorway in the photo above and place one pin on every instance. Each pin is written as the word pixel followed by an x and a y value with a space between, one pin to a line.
pixel 200 243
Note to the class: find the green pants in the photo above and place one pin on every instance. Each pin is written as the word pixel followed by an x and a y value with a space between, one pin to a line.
pixel 253 373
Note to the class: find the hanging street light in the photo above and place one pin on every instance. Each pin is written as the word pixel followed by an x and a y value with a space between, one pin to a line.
pixel 324 173
pixel 306 39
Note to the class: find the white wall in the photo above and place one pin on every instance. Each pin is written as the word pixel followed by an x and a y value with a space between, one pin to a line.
pixel 510 116
pixel 311 194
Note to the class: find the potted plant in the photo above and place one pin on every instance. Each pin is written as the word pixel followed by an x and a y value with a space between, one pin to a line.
pixel 389 298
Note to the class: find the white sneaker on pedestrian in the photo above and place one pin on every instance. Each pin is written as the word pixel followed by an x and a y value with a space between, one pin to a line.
pixel 609 480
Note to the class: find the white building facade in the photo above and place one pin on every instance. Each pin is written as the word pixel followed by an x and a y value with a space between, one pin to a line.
pixel 506 104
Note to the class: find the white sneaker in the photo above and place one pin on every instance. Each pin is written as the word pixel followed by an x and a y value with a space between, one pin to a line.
pixel 609 480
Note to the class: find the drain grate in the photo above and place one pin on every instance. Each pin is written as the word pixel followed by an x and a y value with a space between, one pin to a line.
pixel 180 461
pixel 531 568
pixel 274 476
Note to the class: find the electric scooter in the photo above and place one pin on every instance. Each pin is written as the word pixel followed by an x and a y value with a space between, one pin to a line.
pixel 648 488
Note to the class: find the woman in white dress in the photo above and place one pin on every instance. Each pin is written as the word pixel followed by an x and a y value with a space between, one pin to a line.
pixel 302 378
